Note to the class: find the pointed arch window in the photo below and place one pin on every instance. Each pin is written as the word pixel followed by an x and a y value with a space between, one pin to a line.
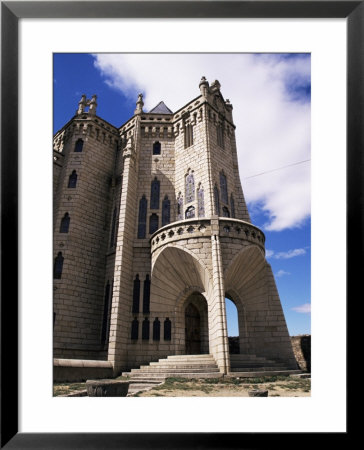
pixel 153 223
pixel 167 329
pixel 72 180
pixel 157 148
pixel 79 145
pixel 136 294
pixel 166 211
pixel 223 188
pixel 232 206
pixel 58 266
pixel 134 329
pixel 142 218
pixel 154 194
pixel 65 223
pixel 225 211
pixel 190 212
pixel 156 329
pixel 190 188
pixel 107 313
pixel 180 207
pixel 113 228
pixel 200 202
pixel 216 201
pixel 220 135
pixel 146 295
pixel 145 329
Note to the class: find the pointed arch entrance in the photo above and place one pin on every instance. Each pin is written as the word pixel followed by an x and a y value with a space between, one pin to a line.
pixel 196 325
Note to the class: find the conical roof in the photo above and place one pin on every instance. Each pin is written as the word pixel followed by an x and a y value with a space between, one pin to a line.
pixel 161 108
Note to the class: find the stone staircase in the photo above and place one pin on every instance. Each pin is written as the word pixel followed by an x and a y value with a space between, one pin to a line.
pixel 201 366
pixel 185 366
pixel 257 366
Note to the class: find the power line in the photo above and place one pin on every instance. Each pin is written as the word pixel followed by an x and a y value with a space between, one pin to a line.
pixel 278 168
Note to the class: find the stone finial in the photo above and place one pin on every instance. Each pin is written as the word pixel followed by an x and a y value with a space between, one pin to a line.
pixel 81 105
pixel 215 86
pixel 139 105
pixel 204 86
pixel 92 105
pixel 228 105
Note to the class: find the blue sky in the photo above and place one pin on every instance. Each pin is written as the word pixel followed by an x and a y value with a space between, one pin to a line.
pixel 271 97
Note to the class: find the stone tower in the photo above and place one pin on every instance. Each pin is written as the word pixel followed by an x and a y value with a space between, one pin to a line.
pixel 152 233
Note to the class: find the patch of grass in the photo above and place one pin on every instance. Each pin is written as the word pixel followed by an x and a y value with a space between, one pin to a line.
pixel 67 388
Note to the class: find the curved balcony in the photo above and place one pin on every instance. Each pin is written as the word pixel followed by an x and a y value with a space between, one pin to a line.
pixel 225 227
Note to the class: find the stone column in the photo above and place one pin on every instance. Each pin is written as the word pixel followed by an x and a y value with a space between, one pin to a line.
pixel 122 288
pixel 219 345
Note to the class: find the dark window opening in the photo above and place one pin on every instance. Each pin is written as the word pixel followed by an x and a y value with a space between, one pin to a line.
pixel 225 212
pixel 58 266
pixel 156 330
pixel 72 180
pixel 179 207
pixel 166 211
pixel 167 329
pixel 153 223
pixel 223 187
pixel 106 316
pixel 79 145
pixel 154 194
pixel 136 294
pixel 134 329
pixel 113 228
pixel 216 201
pixel 145 329
pixel 232 206
pixel 142 219
pixel 65 223
pixel 188 135
pixel 156 148
pixel 146 295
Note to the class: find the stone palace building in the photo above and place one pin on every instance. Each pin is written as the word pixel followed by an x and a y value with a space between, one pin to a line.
pixel 152 233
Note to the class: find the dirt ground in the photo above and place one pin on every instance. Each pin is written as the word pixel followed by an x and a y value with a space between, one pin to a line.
pixel 178 387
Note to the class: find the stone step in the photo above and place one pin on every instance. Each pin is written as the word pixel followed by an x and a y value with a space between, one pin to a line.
pixel 170 370
pixel 174 365
pixel 149 376
pixel 252 369
pixel 190 357
pixel 262 373
pixel 247 358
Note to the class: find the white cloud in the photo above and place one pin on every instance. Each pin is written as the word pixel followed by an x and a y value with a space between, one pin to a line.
pixel 281 273
pixel 290 253
pixel 269 253
pixel 272 129
pixel 303 309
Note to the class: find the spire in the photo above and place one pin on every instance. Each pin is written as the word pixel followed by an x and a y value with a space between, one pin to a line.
pixel 204 86
pixel 139 105
pixel 161 108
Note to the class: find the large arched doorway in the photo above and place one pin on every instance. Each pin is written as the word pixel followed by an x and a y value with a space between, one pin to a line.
pixel 232 326
pixel 196 325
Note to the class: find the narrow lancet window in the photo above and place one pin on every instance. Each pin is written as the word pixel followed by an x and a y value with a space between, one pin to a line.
pixel 188 135
pixel 154 194
pixel 142 219
pixel 166 211
pixel 167 329
pixel 216 201
pixel 79 145
pixel 153 223
pixel 225 212
pixel 136 294
pixel 65 223
pixel 200 202
pixel 179 207
pixel 113 228
pixel 145 329
pixel 220 135
pixel 190 188
pixel 134 329
pixel 146 295
pixel 58 266
pixel 232 205
pixel 72 180
pixel 223 187
pixel 156 329
pixel 106 316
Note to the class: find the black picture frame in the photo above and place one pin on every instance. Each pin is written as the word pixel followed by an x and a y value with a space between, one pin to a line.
pixel 11 12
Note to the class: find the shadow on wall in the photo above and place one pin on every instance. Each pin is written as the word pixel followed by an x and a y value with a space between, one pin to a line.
pixel 302 351
pixel 234 348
